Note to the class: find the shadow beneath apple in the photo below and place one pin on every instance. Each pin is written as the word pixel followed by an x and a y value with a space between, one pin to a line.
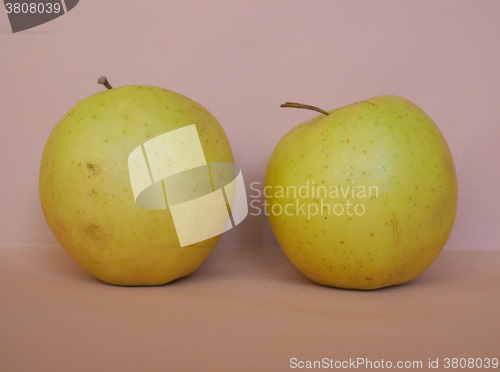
pixel 266 262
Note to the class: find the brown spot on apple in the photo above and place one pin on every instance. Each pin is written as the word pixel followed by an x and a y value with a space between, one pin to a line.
pixel 94 170
pixel 99 235
pixel 93 231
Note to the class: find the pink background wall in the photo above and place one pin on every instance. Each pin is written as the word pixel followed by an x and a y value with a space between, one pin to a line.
pixel 241 59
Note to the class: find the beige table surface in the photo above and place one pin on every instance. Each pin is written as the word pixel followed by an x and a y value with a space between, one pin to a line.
pixel 243 310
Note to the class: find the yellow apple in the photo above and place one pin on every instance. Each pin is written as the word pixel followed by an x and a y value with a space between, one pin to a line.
pixel 86 192
pixel 364 196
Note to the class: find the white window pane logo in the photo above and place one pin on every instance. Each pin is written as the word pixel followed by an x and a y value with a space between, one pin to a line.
pixel 171 171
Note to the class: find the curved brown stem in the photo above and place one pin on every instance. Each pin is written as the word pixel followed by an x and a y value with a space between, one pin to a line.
pixel 104 81
pixel 302 106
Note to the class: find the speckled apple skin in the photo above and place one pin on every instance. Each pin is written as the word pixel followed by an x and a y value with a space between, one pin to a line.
pixel 388 142
pixel 86 193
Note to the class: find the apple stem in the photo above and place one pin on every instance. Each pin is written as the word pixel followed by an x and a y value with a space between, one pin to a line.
pixel 104 81
pixel 302 106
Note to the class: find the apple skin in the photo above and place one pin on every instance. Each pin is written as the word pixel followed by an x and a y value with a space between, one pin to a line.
pixel 86 193
pixel 388 142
